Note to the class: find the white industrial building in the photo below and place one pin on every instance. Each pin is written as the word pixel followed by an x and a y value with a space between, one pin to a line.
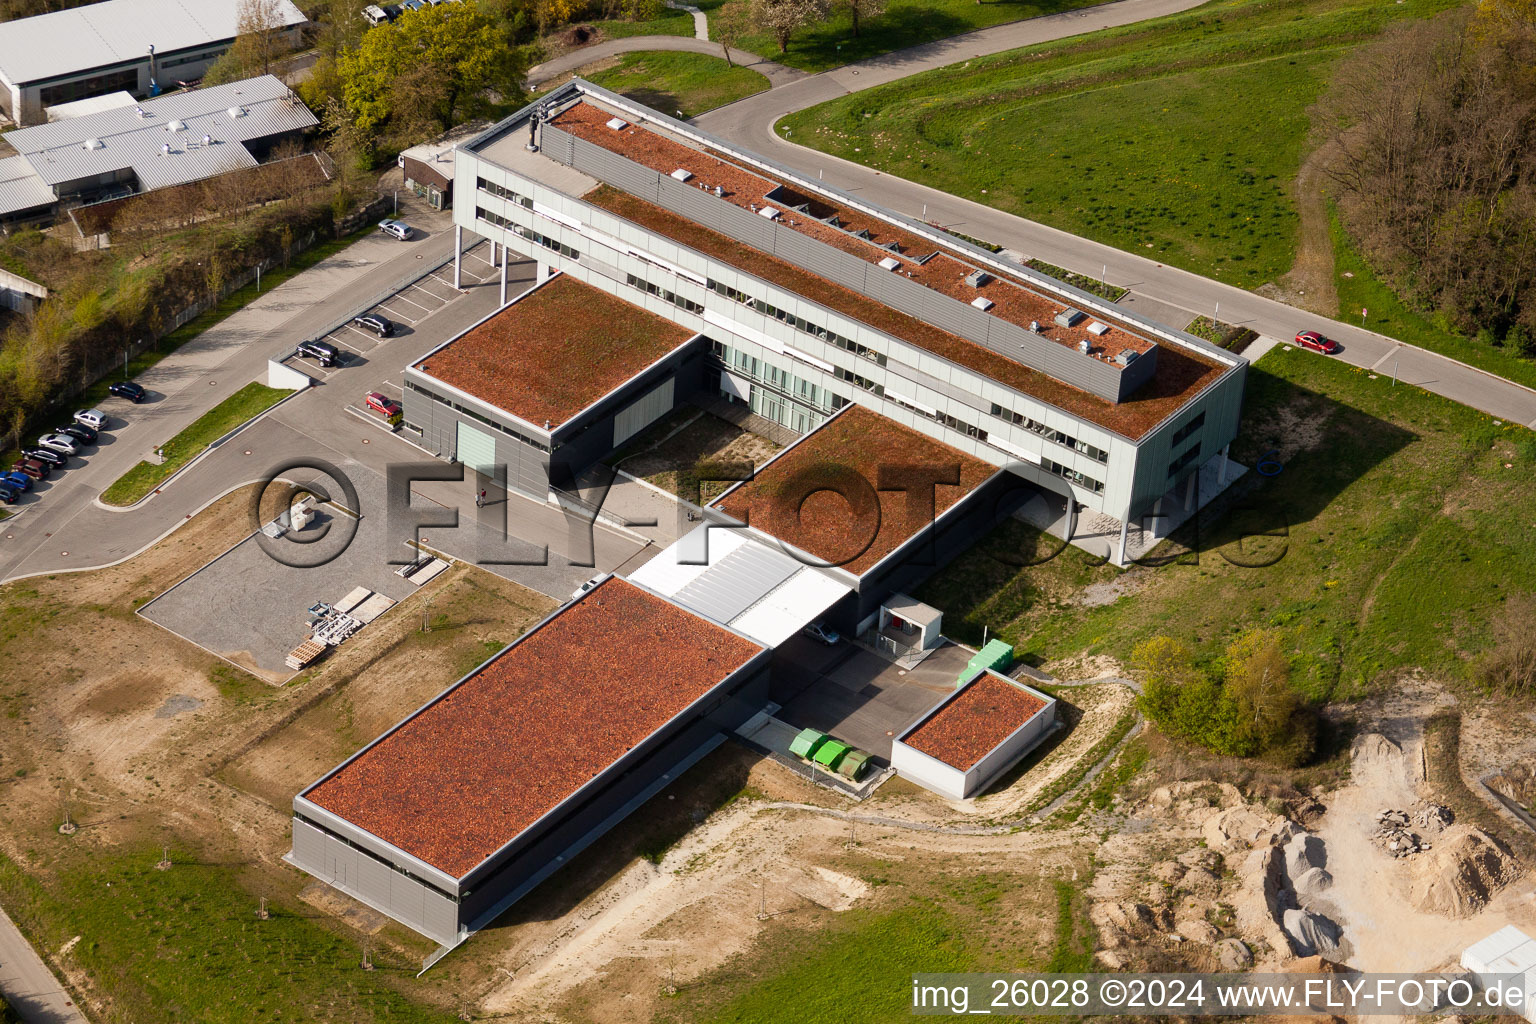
pixel 136 46
pixel 172 140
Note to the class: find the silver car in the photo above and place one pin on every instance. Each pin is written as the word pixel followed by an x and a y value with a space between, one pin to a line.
pixel 61 443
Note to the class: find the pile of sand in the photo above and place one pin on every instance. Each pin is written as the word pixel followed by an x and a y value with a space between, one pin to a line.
pixel 1457 878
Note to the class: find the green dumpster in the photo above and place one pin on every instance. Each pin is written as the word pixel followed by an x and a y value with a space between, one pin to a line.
pixel 807 742
pixel 996 655
pixel 855 765
pixel 830 753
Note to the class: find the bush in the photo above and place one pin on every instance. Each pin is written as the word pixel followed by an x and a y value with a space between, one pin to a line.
pixel 1509 667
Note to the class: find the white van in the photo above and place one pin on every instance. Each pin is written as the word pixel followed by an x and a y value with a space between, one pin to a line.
pixel 396 229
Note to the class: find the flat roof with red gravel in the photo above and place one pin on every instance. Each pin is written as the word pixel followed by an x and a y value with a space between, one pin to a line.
pixel 464 776
pixel 977 719
pixel 856 531
pixel 934 266
pixel 1179 376
pixel 525 359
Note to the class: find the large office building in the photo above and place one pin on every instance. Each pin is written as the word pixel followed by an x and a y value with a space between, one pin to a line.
pixel 796 299
pixel 136 46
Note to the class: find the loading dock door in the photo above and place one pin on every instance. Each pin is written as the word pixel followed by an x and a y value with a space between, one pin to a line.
pixel 477 449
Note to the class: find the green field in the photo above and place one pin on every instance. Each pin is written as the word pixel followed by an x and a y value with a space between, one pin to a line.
pixel 1178 138
pixel 186 944
pixel 143 478
pixel 1406 519
pixel 668 81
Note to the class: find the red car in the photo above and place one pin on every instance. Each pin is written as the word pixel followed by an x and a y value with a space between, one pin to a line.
pixel 33 468
pixel 383 404
pixel 1317 343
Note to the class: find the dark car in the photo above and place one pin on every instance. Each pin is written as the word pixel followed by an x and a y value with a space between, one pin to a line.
pixel 1317 343
pixel 53 459
pixel 79 431
pixel 322 352
pixel 16 481
pixel 32 468
pixel 127 389
pixel 8 496
pixel 382 326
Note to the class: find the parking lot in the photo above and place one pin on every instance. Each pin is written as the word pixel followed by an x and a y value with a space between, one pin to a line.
pixel 117 410
pixel 406 309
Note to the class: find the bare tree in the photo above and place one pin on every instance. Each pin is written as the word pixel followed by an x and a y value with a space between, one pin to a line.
pixel 861 10
pixel 782 18
pixel 730 25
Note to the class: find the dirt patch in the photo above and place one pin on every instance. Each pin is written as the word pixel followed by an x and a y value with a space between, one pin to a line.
pixel 1310 283
pixel 1301 425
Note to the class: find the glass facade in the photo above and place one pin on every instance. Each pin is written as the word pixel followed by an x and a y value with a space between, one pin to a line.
pixel 774 393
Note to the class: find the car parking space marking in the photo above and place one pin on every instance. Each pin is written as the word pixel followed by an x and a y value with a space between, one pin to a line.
pixel 402 298
pixel 355 351
pixel 409 321
pixel 368 336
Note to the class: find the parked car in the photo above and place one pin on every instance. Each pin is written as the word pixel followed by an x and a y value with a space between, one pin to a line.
pixel 396 229
pixel 1316 342
pixel 323 352
pixel 8 496
pixel 585 587
pixel 48 455
pixel 382 404
pixel 822 632
pixel 32 468
pixel 382 326
pixel 93 418
pixel 375 15
pixel 16 480
pixel 79 431
pixel 61 443
pixel 127 389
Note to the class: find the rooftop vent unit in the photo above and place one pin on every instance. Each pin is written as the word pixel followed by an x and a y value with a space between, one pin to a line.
pixel 681 175
pixel 95 144
pixel 863 233
pixel 1098 330
pixel 889 263
pixel 1070 317
pixel 141 111
pixel 921 260
pixel 768 212
pixel 891 247
pixel 977 278
pixel 1084 347
pixel 238 111
pixel 618 124
pixel 1127 356
pixel 982 303
pixel 176 126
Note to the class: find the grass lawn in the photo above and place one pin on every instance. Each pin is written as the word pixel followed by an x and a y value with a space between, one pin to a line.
pixel 193 441
pixel 690 82
pixel 672 23
pixel 186 944
pixel 1389 315
pixel 1405 519
pixel 1178 138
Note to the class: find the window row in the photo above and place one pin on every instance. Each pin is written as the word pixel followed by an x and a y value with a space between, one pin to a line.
pixel 662 293
pixel 1183 460
pixel 1073 476
pixel 546 242
pixel 1187 429
pixel 763 371
pixel 1050 433
pixel 799 323
pixel 503 192
pixel 474 415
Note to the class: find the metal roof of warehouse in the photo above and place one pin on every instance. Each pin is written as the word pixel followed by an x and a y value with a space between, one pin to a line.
pixel 118 31
pixel 136 136
pixel 21 188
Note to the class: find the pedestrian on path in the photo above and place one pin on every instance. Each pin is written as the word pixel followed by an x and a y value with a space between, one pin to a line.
pixel 480 499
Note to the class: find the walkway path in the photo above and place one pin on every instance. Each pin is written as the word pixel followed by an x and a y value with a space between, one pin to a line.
pixel 700 22
pixel 30 987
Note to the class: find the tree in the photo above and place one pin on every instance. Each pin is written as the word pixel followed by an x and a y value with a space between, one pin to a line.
pixel 782 18
pixel 860 10
pixel 1509 666
pixel 1259 679
pixel 434 64
pixel 730 25
pixel 258 42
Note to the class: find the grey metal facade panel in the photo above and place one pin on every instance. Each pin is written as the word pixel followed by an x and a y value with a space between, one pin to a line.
pixel 613 168
pixel 373 880
pixel 737 582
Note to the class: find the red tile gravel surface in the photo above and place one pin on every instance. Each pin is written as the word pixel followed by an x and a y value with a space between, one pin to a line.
pixel 555 351
pixel 856 531
pixel 1180 374
pixel 944 270
pixel 463 777
pixel 983 715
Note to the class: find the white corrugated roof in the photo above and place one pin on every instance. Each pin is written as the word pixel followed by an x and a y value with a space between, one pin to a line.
pixel 117 31
pixel 89 105
pixel 59 154
pixel 750 584
pixel 21 188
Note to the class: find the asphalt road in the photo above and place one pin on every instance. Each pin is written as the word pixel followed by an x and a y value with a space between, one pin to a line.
pixel 34 993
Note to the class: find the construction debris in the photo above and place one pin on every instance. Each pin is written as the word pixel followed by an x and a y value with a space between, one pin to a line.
pixel 1401 833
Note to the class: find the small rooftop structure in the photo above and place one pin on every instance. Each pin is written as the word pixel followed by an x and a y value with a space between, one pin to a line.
pixel 460 779
pixel 21 190
pixel 89 105
pixel 973 735
pixel 554 351
pixel 823 493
